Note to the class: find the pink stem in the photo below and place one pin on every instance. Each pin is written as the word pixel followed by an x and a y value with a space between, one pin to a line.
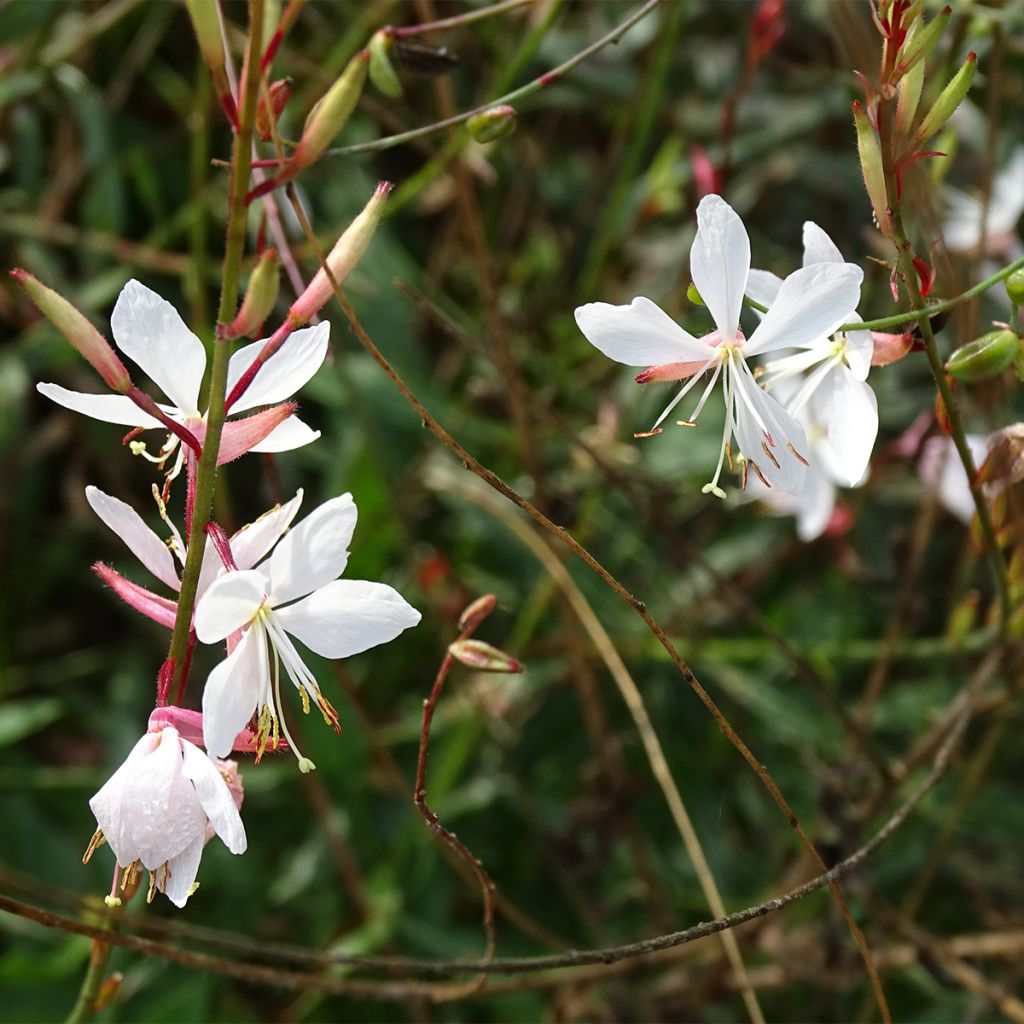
pixel 146 404
pixel 274 342
pixel 222 544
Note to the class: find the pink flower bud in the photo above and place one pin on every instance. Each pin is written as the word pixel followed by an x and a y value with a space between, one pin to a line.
pixel 267 116
pixel 78 330
pixel 477 654
pixel 476 612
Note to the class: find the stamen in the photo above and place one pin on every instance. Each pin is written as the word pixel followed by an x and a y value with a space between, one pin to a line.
pixel 789 445
pixel 727 387
pixel 767 451
pixel 305 764
pixel 648 433
pixel 743 477
pixel 98 840
pixel 686 423
pixel 176 544
pixel 757 470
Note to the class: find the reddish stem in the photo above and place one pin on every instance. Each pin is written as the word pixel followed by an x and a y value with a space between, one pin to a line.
pixel 220 541
pixel 274 342
pixel 148 405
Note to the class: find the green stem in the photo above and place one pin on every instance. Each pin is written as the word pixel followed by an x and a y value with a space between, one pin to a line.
pixel 206 471
pixel 83 1009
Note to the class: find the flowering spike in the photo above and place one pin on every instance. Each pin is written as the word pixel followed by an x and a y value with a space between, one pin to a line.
pixel 871 165
pixel 949 99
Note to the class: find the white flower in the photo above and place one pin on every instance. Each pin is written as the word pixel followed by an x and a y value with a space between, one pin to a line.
pixel 962 229
pixel 148 330
pixel 294 593
pixel 942 472
pixel 157 808
pixel 832 372
pixel 811 303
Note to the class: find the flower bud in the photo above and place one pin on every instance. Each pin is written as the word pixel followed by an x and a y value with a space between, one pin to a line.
pixel 493 124
pixel 908 97
pixel 259 298
pixel 949 99
pixel 922 42
pixel 107 992
pixel 207 28
pixel 871 165
pixel 347 252
pixel 267 116
pixel 329 115
pixel 1014 285
pixel 985 357
pixel 693 295
pixel 382 70
pixel 477 654
pixel 78 330
pixel 476 612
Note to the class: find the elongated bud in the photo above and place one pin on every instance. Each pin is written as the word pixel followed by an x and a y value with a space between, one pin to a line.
pixel 207 28
pixel 267 115
pixel 259 298
pixel 331 112
pixel 949 99
pixel 492 124
pixel 985 357
pixel 908 97
pixel 871 165
pixel 78 330
pixel 1015 287
pixel 382 69
pixel 921 43
pixel 477 611
pixel 347 252
pixel 476 654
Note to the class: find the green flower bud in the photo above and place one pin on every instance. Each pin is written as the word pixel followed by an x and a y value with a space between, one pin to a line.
pixel 922 42
pixel 908 96
pixel 870 154
pixel 1014 285
pixel 382 70
pixel 949 99
pixel 260 297
pixel 329 115
pixel 693 295
pixel 207 28
pixel 985 357
pixel 495 123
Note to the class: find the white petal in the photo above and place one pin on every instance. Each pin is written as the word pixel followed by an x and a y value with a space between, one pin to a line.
pixel 291 366
pixel 814 504
pixel 232 692
pixel 347 617
pixel 943 472
pixel 852 418
pixel 215 797
pixel 109 807
pixel 148 329
pixel 1007 202
pixel 109 408
pixel 181 872
pixel 228 604
pixel 818 247
pixel 285 437
pixel 314 552
pixel 811 304
pixel 860 346
pixel 254 540
pixel 763 286
pixel 720 262
pixel 141 541
pixel 640 334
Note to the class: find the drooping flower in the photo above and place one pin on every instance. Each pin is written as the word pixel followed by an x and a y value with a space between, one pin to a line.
pixel 158 808
pixel 293 593
pixel 149 331
pixel 831 371
pixel 810 303
pixel 962 231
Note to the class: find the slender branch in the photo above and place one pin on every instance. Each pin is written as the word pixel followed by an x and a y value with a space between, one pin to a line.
pixel 458 19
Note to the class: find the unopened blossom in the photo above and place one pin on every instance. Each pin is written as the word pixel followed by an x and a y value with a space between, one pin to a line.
pixel 295 593
pixel 160 807
pixel 149 331
pixel 810 304
pixel 830 371
pixel 962 230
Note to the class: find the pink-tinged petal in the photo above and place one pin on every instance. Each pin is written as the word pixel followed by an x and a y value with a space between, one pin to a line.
pixel 149 330
pixel 720 262
pixel 109 807
pixel 254 540
pixel 818 247
pixel 247 742
pixel 293 433
pixel 215 798
pixel 241 436
pixel 232 692
pixel 763 286
pixel 670 371
pixel 181 872
pixel 188 723
pixel 229 603
pixel 314 552
pixel 140 540
pixel 108 408
pixel 811 304
pixel 287 370
pixel 851 412
pixel 154 607
pixel 347 617
pixel 640 334
pixel 889 348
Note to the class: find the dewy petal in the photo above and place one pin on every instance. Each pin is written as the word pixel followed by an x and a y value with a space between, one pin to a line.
pixel 818 247
pixel 347 617
pixel 181 872
pixel 720 262
pixel 140 540
pixel 288 436
pixel 254 540
pixel 233 690
pixel 109 408
pixel 287 370
pixel 228 604
pixel 811 304
pixel 640 334
pixel 763 286
pixel 109 807
pixel 215 798
pixel 852 418
pixel 149 330
pixel 314 552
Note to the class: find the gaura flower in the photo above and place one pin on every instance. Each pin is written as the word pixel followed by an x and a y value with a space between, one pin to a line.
pixel 962 230
pixel 811 303
pixel 830 372
pixel 293 593
pixel 160 807
pixel 148 330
